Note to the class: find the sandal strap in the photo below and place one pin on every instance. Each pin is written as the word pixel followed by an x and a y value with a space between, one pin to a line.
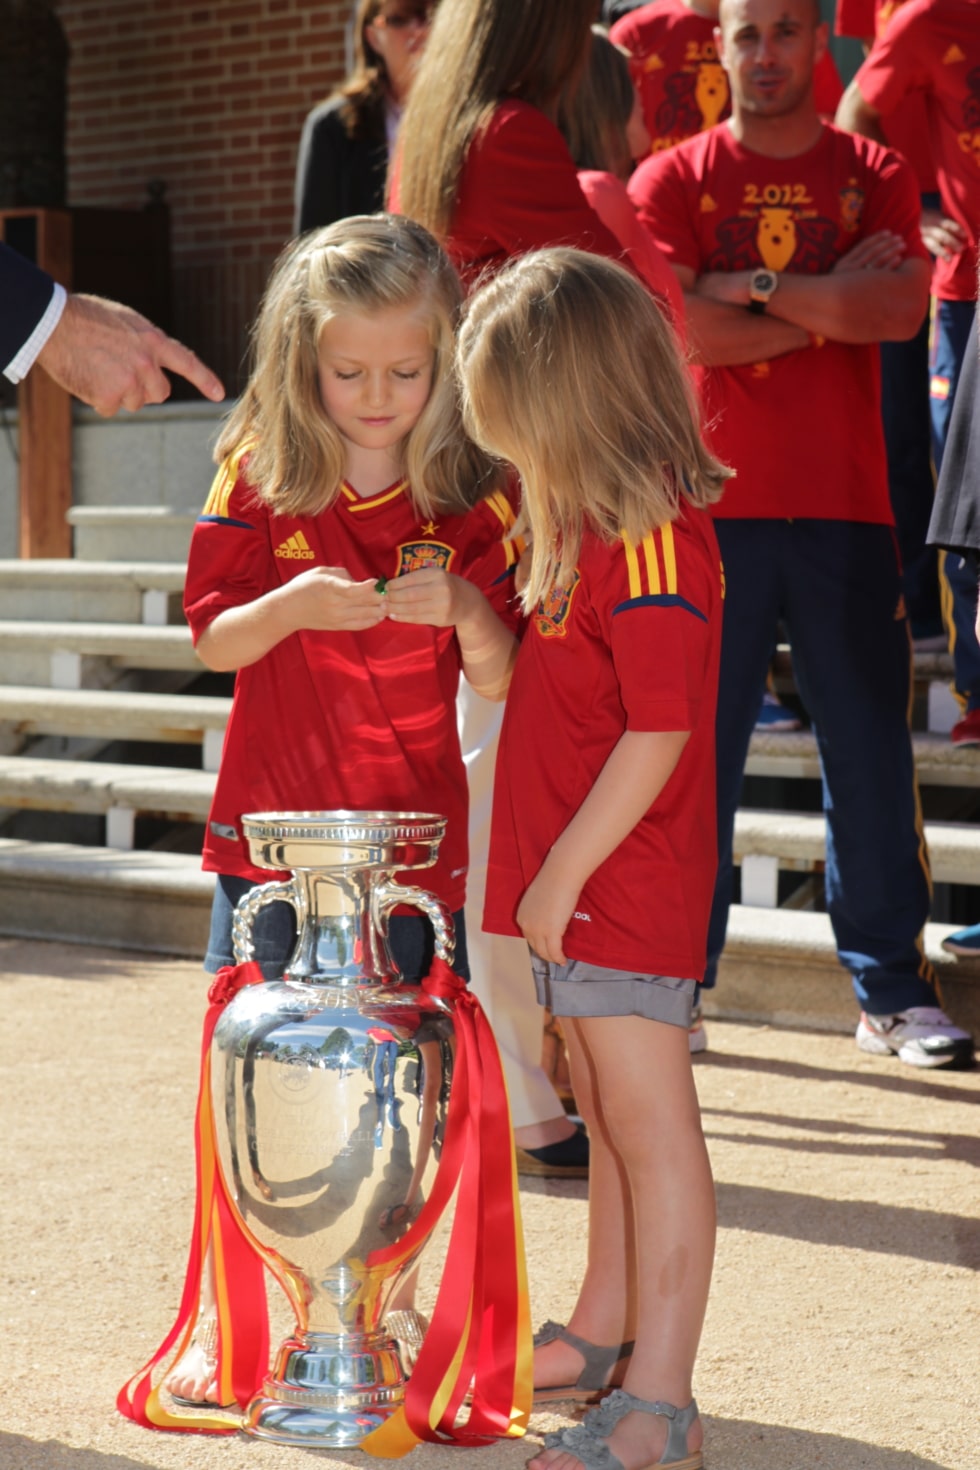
pixel 603 1419
pixel 599 1361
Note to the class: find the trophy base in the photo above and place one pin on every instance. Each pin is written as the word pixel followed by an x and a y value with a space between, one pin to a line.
pixel 327 1391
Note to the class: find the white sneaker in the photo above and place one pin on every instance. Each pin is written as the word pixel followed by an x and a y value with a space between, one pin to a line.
pixel 923 1036
pixel 697 1037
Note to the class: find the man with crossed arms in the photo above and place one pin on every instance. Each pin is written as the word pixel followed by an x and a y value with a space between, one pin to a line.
pixel 798 249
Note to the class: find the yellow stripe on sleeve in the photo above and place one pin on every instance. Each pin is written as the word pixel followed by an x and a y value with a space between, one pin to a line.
pixel 652 565
pixel 670 557
pixel 632 568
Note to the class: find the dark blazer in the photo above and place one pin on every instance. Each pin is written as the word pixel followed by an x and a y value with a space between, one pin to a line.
pixel 337 175
pixel 25 292
pixel 955 520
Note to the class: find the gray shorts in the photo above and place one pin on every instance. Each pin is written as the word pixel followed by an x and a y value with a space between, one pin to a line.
pixel 581 989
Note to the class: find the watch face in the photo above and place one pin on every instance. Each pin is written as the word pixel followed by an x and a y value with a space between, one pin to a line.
pixel 764 282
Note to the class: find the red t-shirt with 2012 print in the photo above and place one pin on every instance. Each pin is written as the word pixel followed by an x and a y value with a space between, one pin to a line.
pixel 802 431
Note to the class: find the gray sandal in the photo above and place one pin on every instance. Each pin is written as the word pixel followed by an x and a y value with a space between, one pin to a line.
pixel 592 1383
pixel 585 1441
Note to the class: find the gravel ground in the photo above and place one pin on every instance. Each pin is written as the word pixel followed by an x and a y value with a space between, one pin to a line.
pixel 842 1332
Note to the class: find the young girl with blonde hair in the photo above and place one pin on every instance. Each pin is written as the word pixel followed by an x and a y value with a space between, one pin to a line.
pixel 603 848
pixel 352 558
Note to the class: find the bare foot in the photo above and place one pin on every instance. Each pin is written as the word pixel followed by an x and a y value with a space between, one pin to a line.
pixel 194 1377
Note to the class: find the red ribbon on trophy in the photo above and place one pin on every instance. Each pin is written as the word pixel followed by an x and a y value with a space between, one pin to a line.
pixel 478 1346
pixel 243 1324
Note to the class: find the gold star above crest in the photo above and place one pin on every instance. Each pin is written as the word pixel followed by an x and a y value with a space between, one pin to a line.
pixel 429 528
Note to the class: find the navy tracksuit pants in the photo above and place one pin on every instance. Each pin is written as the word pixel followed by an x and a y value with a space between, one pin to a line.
pixel 837 587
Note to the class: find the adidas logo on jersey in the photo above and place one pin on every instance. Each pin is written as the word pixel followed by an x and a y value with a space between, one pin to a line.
pixel 297 548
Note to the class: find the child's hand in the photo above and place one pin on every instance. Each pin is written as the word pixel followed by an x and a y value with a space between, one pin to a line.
pixel 328 600
pixel 543 914
pixel 431 596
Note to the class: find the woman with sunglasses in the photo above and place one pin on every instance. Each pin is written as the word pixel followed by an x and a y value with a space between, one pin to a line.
pixel 345 144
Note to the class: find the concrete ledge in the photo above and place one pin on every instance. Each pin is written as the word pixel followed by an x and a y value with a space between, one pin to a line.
pixel 154 901
pixel 124 533
pixel 780 967
pixel 104 712
pixel 793 754
pixel 51 590
pixel 96 787
pixel 799 840
pixel 132 645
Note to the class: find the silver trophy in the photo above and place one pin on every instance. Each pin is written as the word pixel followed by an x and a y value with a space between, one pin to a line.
pixel 330 1088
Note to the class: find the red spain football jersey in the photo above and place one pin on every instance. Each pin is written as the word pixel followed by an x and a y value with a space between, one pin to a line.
pixel 632 644
pixel 682 85
pixel 931 49
pixel 343 720
pixel 803 431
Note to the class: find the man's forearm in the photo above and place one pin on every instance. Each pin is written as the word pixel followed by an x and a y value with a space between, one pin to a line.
pixel 729 336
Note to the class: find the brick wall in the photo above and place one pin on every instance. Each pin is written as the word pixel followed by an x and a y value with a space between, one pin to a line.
pixel 208 96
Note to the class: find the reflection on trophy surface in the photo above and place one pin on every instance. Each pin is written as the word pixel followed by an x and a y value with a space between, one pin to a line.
pixel 330 1090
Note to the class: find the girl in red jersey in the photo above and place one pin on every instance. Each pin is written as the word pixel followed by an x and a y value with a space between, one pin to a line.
pixel 603 843
pixel 351 560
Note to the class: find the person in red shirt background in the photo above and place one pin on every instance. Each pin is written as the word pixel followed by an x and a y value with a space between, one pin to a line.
pixel 682 84
pixel 480 159
pixel 799 249
pixel 930 50
pixel 905 365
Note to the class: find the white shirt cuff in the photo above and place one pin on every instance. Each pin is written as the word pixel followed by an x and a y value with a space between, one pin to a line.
pixel 20 365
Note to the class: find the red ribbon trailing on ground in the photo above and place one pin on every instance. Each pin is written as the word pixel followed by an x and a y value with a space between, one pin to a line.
pixel 479 1339
pixel 243 1323
pixel 478 1346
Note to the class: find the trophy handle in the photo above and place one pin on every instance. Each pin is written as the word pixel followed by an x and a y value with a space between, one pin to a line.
pixel 389 895
pixel 247 908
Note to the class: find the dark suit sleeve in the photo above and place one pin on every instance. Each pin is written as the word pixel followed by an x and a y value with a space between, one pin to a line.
pixel 25 292
pixel 955 522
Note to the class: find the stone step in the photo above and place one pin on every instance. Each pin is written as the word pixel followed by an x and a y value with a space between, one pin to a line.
pixel 766 841
pixel 180 718
pixel 118 792
pixel 780 967
pixel 49 590
pixel 793 754
pixel 153 901
pixel 131 533
pixel 82 655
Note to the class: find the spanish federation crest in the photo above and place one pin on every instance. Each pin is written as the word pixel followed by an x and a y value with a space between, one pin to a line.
pixel 420 556
pixel 552 612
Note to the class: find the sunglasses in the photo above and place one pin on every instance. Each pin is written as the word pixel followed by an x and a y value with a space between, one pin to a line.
pixel 400 20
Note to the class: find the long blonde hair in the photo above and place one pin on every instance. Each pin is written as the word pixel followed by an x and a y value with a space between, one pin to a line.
pixel 479 53
pixel 569 371
pixel 366 263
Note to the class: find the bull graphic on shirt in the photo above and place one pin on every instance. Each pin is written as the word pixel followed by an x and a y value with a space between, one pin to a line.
pixel 552 612
pixel 419 556
pixel 694 99
pixel 774 236
pixel 971 104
